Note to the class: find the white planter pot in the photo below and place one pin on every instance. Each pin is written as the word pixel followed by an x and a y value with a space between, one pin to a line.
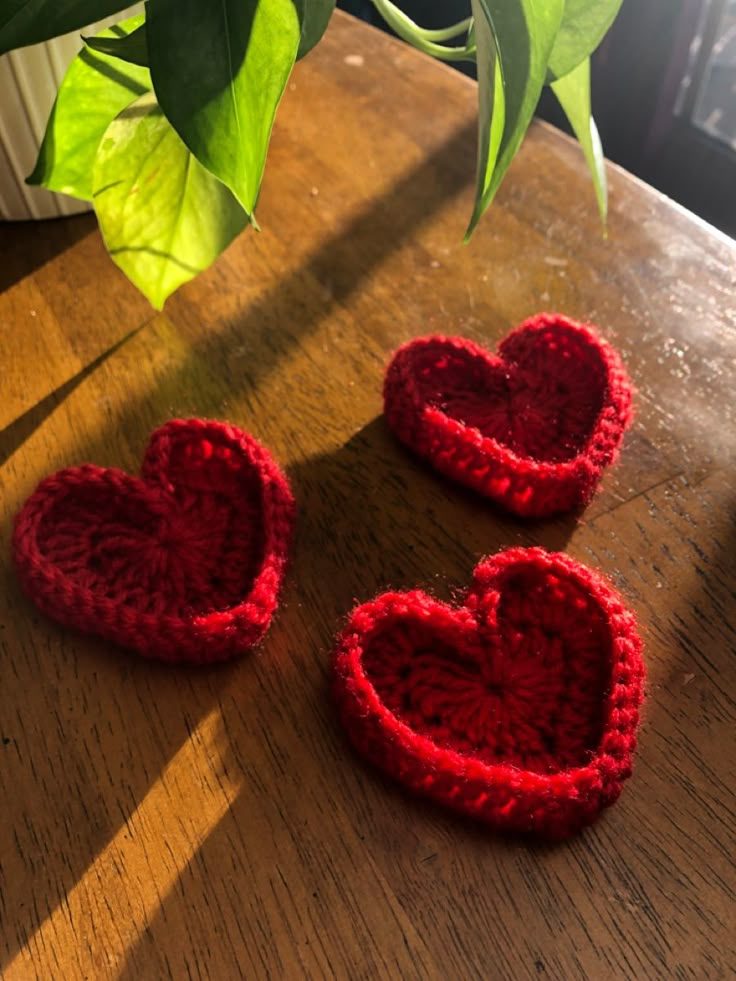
pixel 29 79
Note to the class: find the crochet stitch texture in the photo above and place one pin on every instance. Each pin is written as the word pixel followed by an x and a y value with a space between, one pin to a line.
pixel 532 427
pixel 519 707
pixel 183 564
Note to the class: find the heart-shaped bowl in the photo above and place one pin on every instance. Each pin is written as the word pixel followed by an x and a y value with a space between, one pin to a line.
pixel 183 564
pixel 532 427
pixel 519 707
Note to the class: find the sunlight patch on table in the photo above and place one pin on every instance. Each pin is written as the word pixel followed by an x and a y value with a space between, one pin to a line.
pixel 131 878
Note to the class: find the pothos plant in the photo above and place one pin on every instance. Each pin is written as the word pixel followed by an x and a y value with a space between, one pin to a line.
pixel 163 120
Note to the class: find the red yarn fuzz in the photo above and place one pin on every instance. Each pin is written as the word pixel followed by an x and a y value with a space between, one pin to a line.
pixel 183 564
pixel 532 427
pixel 519 708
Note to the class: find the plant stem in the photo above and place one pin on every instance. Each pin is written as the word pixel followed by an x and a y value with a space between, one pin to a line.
pixel 447 33
pixel 423 39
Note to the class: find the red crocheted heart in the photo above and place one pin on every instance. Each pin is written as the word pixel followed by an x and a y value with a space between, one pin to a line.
pixel 532 427
pixel 519 707
pixel 183 564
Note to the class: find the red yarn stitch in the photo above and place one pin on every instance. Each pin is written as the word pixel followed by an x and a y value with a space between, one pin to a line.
pixel 519 707
pixel 182 564
pixel 532 428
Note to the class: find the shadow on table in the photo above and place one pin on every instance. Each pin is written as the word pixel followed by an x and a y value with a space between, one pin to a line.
pixel 388 520
pixel 25 246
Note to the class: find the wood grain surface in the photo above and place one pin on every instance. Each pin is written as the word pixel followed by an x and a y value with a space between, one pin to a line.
pixel 214 824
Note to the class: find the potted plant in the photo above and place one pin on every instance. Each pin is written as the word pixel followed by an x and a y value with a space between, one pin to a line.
pixel 163 120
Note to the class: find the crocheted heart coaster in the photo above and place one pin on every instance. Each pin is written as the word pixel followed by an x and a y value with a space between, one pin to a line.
pixel 184 563
pixel 532 427
pixel 519 707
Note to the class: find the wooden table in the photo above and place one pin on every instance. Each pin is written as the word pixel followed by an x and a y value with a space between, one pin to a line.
pixel 213 823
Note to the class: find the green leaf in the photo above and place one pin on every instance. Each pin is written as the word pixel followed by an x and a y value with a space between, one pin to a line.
pixel 524 31
pixel 314 16
pixel 132 48
pixel 583 27
pixel 219 70
pixel 94 90
pixel 164 218
pixel 573 94
pixel 491 109
pixel 29 21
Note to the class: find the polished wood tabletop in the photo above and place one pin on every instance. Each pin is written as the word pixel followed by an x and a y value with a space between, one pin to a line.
pixel 168 822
